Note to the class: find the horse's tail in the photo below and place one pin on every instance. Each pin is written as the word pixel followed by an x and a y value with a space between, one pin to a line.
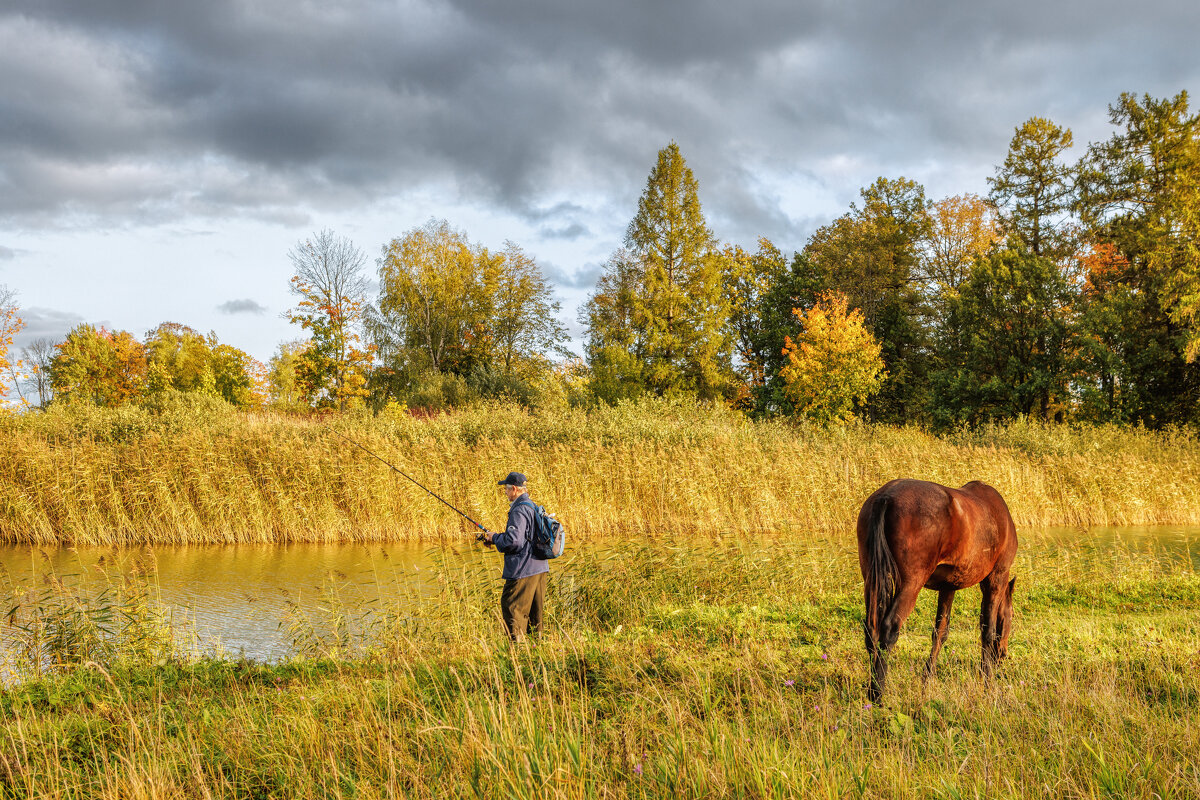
pixel 881 576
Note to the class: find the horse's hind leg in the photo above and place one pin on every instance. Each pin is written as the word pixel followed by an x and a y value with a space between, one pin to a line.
pixel 940 626
pixel 887 634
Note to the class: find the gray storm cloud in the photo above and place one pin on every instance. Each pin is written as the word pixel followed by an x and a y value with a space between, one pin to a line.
pixel 140 111
pixel 246 306
pixel 45 323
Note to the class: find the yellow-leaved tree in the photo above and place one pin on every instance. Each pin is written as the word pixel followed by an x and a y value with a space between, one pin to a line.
pixel 833 364
pixel 332 370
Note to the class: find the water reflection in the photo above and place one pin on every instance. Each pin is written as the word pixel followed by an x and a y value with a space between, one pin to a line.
pixel 245 598
pixel 1162 542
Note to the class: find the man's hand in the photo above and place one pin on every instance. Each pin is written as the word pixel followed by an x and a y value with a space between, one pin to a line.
pixel 485 537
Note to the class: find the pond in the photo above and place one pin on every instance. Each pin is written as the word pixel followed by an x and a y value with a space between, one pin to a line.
pixel 244 599
pixel 252 599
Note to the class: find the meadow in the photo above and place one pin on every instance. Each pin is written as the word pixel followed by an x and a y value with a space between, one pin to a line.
pixel 193 474
pixel 731 670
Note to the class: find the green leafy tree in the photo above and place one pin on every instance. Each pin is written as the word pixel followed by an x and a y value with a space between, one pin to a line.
pixel 178 356
pixel 433 296
pixel 872 255
pixel 1139 194
pixel 1121 354
pixel 448 307
pixel 525 320
pixel 236 375
pixel 1132 368
pixel 180 359
pixel 1141 191
pixel 615 342
pixel 834 363
pixel 1008 344
pixel 749 279
pixel 799 286
pixel 1034 188
pixel 284 392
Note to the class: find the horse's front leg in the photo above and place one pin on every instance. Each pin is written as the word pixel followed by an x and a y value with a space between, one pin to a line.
pixel 941 625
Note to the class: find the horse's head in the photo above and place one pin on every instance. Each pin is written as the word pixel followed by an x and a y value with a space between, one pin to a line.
pixel 1004 619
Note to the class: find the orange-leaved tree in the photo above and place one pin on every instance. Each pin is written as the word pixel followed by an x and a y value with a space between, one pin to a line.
pixel 258 392
pixel 833 364
pixel 10 325
pixel 962 229
pixel 98 366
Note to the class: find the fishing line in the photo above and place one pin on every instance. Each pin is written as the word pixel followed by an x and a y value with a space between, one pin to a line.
pixel 409 477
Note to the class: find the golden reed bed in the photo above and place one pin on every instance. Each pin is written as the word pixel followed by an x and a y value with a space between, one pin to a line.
pixel 661 468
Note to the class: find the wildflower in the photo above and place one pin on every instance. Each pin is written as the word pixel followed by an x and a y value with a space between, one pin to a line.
pixel 866 706
pixel 789 683
pixel 824 656
pixel 816 708
pixel 531 684
pixel 637 769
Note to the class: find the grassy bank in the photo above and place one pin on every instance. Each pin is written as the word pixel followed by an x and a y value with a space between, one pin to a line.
pixel 735 670
pixel 196 475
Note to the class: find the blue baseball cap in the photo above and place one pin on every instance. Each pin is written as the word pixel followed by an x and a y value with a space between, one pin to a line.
pixel 512 479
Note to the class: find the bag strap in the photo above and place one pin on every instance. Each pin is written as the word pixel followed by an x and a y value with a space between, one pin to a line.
pixel 537 518
pixel 537 510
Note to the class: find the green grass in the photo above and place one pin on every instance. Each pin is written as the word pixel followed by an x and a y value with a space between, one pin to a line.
pixel 189 475
pixel 731 667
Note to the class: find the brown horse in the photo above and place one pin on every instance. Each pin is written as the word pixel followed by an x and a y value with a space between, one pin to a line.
pixel 914 534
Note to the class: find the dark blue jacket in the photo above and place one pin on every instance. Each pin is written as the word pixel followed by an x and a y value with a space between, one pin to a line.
pixel 516 543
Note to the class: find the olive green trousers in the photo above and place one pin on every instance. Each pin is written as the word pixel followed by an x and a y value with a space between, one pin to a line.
pixel 521 604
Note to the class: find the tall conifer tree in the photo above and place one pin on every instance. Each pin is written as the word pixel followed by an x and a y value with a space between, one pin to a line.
pixel 681 306
pixel 1033 188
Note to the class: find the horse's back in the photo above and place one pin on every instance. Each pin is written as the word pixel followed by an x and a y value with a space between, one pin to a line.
pixel 923 503
pixel 949 536
pixel 916 517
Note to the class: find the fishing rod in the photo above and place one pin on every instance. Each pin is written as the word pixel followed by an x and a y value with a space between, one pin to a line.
pixel 414 480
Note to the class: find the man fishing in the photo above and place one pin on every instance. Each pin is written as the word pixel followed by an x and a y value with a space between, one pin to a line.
pixel 524 594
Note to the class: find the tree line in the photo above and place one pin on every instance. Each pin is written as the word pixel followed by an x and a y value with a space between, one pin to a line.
pixel 1071 291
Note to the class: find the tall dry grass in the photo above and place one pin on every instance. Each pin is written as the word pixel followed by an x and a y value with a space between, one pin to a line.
pixel 92 476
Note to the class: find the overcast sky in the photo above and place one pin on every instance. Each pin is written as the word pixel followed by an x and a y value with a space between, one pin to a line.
pixel 158 159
